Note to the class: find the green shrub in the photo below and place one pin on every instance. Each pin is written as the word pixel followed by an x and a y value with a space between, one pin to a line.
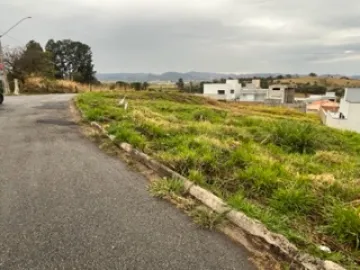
pixel 124 132
pixel 294 199
pixel 197 177
pixel 262 179
pixel 242 156
pixel 295 136
pixel 95 114
pixel 344 223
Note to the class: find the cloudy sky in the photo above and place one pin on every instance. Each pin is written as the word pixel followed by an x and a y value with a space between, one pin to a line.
pixel 243 36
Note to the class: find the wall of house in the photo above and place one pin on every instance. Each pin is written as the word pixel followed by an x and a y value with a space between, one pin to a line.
pixel 323 115
pixel 257 83
pixel 211 90
pixel 236 86
pixel 276 94
pixel 344 107
pixel 337 122
pixel 247 97
pixel 253 94
pixel 353 116
pixel 261 96
pixel 289 95
pixel 352 122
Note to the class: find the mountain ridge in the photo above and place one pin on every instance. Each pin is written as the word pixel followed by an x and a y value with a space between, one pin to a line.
pixel 190 76
pixel 174 76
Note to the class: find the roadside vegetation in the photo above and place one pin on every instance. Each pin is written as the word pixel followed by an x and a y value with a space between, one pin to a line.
pixel 280 166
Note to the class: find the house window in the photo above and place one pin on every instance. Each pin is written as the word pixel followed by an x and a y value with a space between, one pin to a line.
pixel 232 91
pixel 221 92
pixel 276 89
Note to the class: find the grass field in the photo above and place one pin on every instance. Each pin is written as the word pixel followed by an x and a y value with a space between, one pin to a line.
pixel 280 166
pixel 327 82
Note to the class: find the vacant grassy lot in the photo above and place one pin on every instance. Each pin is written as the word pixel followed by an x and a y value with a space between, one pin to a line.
pixel 280 166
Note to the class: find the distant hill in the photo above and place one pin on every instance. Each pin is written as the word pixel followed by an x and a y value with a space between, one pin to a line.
pixel 174 76
pixel 203 76
pixel 328 82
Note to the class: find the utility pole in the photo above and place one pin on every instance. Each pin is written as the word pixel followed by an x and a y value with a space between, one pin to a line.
pixel 3 73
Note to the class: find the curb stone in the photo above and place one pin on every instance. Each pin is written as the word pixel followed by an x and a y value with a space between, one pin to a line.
pixel 251 227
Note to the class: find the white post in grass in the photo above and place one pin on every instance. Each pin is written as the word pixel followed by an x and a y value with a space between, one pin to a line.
pixel 16 87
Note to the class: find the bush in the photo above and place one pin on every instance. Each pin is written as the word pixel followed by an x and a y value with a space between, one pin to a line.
pixel 344 223
pixel 95 114
pixel 241 156
pixel 293 200
pixel 125 133
pixel 197 177
pixel 296 136
pixel 262 179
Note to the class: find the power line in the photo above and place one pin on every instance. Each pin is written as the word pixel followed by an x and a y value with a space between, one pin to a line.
pixel 16 40
pixel 21 43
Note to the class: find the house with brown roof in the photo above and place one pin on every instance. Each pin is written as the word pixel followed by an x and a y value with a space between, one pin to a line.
pixel 327 105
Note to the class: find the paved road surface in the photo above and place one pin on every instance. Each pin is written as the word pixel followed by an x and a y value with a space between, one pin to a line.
pixel 66 205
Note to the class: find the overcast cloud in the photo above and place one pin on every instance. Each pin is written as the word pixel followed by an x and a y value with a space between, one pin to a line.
pixel 242 36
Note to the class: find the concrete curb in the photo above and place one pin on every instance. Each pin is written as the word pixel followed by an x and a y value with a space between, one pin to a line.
pixel 252 227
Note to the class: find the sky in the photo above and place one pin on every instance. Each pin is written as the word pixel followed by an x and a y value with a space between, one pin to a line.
pixel 241 36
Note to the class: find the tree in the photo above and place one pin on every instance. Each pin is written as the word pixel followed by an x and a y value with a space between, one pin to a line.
pixel 32 60
pixel 122 84
pixel 180 84
pixel 35 61
pixel 312 74
pixel 136 85
pixel 264 84
pixel 145 85
pixel 72 60
pixel 11 60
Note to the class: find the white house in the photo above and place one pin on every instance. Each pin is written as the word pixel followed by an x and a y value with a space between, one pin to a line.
pixel 348 115
pixel 222 91
pixel 233 90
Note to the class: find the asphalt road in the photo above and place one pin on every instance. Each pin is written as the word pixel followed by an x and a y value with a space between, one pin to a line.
pixel 66 205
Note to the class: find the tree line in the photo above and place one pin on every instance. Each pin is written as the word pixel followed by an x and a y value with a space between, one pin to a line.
pixel 62 59
pixel 133 85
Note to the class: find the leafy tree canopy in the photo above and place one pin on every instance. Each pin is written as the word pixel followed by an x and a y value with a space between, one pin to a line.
pixel 72 60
